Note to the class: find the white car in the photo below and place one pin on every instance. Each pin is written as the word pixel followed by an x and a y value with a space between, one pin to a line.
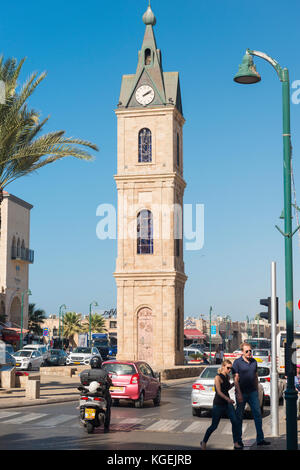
pixel 82 355
pixel 28 359
pixel 261 355
pixel 203 392
pixel 264 378
pixel 42 349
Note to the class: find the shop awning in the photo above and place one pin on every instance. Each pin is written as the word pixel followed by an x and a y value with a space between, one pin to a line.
pixel 193 333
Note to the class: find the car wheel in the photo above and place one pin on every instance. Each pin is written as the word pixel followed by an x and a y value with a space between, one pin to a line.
pixel 89 428
pixel 196 411
pixel 157 399
pixel 140 402
pixel 29 366
pixel 116 402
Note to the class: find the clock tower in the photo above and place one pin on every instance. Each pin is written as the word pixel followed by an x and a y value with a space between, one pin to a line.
pixel 149 271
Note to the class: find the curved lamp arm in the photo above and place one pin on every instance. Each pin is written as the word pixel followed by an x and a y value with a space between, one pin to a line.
pixel 271 61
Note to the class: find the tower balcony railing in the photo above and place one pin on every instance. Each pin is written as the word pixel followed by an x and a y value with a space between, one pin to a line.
pixel 22 254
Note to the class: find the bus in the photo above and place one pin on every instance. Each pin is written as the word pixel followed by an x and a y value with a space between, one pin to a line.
pixel 280 341
pixel 259 343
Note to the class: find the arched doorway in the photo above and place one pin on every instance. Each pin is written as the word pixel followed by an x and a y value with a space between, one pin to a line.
pixel 15 311
pixel 145 335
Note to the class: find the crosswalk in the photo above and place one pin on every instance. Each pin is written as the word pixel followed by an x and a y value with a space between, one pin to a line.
pixel 146 424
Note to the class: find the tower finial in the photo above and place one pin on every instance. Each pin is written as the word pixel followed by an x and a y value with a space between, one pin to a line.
pixel 148 17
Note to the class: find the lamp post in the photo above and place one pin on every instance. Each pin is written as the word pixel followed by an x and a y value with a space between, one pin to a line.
pixel 90 321
pixel 28 292
pixel 227 318
pixel 210 310
pixel 247 74
pixel 60 321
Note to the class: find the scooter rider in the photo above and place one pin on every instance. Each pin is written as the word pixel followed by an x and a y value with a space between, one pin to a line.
pixel 100 375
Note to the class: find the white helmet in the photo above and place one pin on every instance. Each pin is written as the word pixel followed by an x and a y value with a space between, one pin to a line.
pixel 93 386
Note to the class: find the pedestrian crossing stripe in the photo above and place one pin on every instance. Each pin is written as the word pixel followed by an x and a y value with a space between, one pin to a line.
pixel 178 426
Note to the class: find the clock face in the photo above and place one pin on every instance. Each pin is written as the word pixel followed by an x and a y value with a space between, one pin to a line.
pixel 144 95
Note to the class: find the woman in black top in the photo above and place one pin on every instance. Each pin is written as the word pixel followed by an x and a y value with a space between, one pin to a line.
pixel 222 404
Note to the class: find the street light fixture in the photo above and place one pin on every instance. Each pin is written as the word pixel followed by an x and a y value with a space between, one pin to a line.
pixel 95 304
pixel 28 292
pixel 247 75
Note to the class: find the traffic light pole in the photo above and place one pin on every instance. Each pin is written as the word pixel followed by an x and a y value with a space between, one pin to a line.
pixel 274 373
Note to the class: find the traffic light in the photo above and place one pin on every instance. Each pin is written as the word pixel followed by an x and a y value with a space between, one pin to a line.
pixel 267 315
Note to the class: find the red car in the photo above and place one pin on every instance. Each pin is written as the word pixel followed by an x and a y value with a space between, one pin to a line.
pixel 133 380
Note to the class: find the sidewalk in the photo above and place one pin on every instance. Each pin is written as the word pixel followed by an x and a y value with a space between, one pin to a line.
pixel 59 389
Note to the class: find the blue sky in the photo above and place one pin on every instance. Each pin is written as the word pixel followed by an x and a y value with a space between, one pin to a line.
pixel 232 142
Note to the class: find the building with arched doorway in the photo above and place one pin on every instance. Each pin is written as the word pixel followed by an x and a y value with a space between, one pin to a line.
pixel 15 257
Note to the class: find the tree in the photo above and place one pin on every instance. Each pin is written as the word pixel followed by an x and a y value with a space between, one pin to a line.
pixel 22 150
pixel 97 324
pixel 71 325
pixel 36 318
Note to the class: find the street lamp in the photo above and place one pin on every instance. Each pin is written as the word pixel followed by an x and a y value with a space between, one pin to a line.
pixel 247 74
pixel 210 310
pixel 28 292
pixel 60 321
pixel 90 321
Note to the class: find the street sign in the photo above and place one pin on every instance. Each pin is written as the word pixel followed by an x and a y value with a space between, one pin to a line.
pixel 213 330
pixel 45 331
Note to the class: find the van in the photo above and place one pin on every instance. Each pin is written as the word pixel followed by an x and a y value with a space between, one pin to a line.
pixel 38 347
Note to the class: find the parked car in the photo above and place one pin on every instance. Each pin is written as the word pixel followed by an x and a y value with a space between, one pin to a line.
pixel 261 355
pixel 28 359
pixel 133 380
pixel 264 377
pixel 56 357
pixel 189 352
pixel 82 355
pixel 42 349
pixel 203 392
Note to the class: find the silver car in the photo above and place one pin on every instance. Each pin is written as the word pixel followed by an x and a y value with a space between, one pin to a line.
pixel 82 355
pixel 28 360
pixel 264 378
pixel 203 392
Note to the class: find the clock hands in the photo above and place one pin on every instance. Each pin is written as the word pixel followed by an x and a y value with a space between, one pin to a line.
pixel 147 93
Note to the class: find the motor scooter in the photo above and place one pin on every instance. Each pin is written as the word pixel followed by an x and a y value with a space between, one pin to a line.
pixel 92 406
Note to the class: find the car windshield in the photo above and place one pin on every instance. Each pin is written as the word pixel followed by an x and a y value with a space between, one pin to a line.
pixel 54 352
pixel 23 353
pixel 260 352
pixel 209 373
pixel 263 371
pixel 119 369
pixel 83 350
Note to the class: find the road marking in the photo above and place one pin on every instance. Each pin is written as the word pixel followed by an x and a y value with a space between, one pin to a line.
pixel 6 414
pixel 164 425
pixel 132 420
pixel 25 418
pixel 56 420
pixel 196 427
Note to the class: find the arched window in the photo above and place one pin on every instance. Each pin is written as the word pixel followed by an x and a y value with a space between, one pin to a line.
pixel 145 233
pixel 147 57
pixel 18 248
pixel 145 146
pixel 178 151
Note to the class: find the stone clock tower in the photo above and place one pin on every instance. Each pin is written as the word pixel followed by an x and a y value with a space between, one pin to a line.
pixel 149 272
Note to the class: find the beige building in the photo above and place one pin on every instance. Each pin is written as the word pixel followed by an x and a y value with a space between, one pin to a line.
pixel 15 257
pixel 149 270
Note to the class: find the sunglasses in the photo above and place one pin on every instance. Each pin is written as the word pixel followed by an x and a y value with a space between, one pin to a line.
pixel 248 350
pixel 228 367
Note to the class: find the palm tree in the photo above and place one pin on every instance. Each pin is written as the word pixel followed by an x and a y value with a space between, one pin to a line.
pixel 36 317
pixel 22 150
pixel 71 325
pixel 97 324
